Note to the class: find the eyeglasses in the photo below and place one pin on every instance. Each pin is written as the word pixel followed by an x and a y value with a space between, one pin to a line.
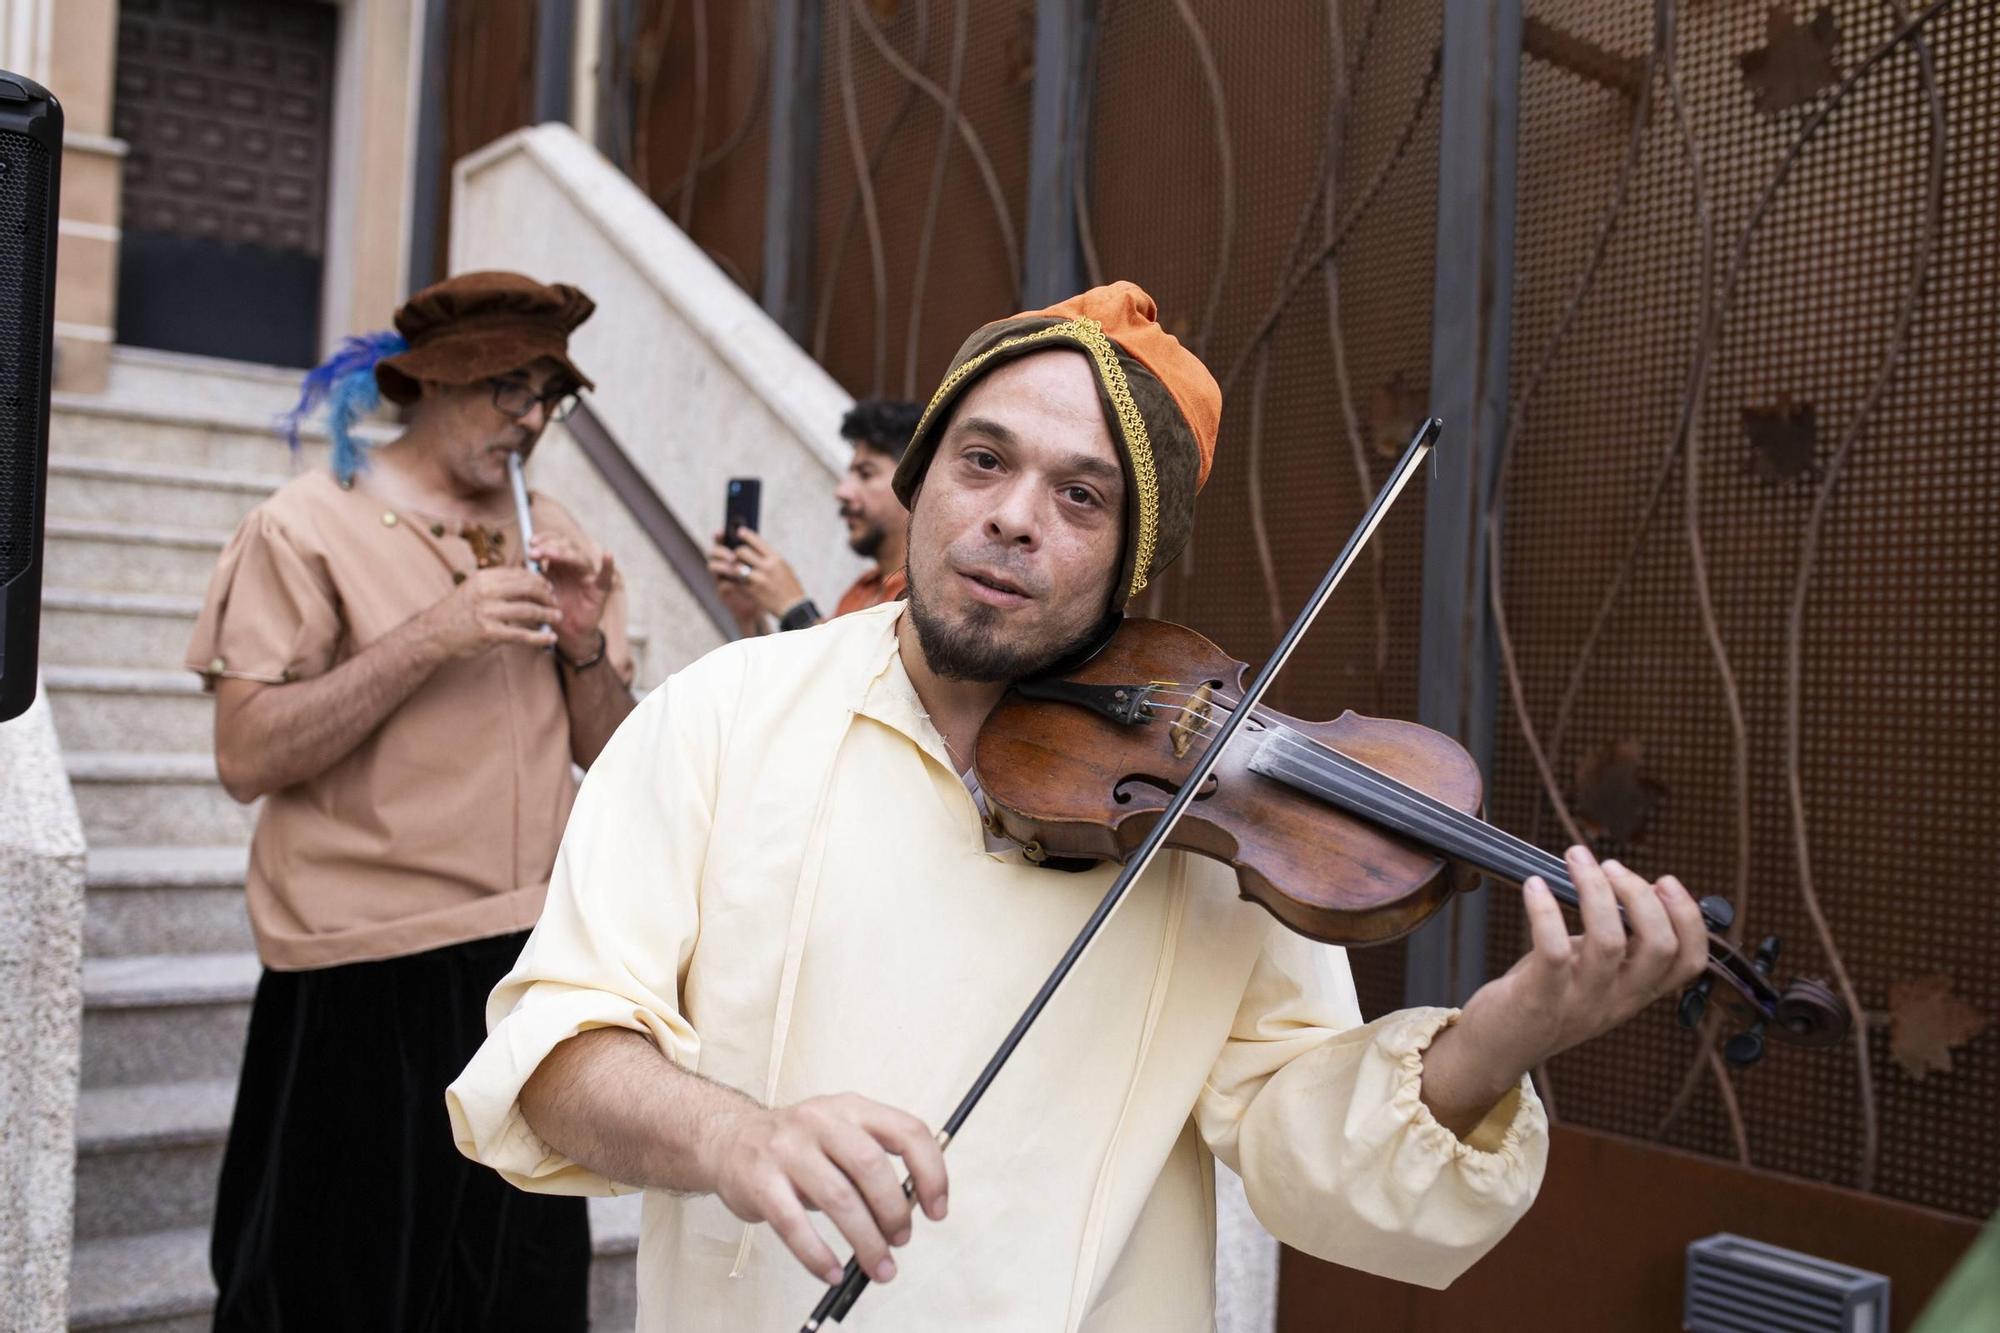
pixel 513 399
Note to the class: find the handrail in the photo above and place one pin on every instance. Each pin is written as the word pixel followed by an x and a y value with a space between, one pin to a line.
pixel 650 512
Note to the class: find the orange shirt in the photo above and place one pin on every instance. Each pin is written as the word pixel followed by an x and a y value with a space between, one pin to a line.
pixel 871 589
pixel 442 826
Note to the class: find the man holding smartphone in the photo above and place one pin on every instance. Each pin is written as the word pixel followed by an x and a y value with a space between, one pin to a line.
pixel 756 583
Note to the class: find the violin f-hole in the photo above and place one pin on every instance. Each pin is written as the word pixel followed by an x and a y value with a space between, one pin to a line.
pixel 1136 787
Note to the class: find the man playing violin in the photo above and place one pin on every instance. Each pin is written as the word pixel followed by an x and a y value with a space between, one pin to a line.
pixel 781 938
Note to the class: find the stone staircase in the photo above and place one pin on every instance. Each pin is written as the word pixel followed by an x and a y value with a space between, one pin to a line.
pixel 146 482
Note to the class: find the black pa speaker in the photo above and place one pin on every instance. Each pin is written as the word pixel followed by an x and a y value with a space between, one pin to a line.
pixel 30 173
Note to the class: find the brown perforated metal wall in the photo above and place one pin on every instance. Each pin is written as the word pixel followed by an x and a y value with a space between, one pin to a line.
pixel 1897 694
pixel 915 251
pixel 1213 129
pixel 689 120
pixel 1207 145
pixel 489 89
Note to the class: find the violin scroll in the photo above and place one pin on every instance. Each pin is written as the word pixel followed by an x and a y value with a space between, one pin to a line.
pixel 1806 1013
pixel 1811 1014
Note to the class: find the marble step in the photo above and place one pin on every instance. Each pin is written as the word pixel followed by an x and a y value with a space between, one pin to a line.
pixel 154 493
pixel 136 557
pixel 82 627
pixel 164 900
pixel 144 798
pixel 148 1156
pixel 165 1018
pixel 159 1282
pixel 130 708
pixel 88 628
pixel 188 382
pixel 156 1283
pixel 213 434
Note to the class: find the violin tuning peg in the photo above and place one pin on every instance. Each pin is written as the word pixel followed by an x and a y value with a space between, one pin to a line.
pixel 1746 1048
pixel 1717 913
pixel 1767 954
pixel 1694 1003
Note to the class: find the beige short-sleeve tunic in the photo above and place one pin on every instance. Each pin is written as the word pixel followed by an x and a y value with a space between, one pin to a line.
pixel 442 825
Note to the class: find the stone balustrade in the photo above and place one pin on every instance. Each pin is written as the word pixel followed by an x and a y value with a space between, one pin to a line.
pixel 41 1004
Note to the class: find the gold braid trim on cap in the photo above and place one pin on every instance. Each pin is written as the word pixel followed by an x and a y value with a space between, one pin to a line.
pixel 1088 334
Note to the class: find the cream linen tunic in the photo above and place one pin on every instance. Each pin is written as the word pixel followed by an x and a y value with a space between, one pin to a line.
pixel 774 873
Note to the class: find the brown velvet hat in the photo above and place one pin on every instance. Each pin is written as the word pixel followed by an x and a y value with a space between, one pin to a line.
pixel 1161 402
pixel 477 325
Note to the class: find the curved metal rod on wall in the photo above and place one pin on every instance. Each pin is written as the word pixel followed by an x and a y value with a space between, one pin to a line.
pixel 830 281
pixel 973 145
pixel 864 185
pixel 1346 70
pixel 1892 356
pixel 753 110
pixel 1706 1059
pixel 649 53
pixel 1340 233
pixel 1225 154
pixel 699 130
pixel 961 22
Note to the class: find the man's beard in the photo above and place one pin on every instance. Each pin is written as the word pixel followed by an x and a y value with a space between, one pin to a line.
pixel 869 543
pixel 978 648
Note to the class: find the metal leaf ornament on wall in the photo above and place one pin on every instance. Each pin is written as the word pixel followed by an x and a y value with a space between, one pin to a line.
pixel 1796 61
pixel 1614 798
pixel 1782 438
pixel 1926 1020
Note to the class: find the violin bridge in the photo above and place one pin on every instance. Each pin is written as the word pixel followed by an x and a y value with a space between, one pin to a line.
pixel 1194 720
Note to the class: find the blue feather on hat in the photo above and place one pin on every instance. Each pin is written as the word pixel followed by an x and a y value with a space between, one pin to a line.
pixel 345 383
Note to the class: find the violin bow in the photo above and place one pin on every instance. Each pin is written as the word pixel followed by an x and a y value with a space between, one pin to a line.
pixel 840 1296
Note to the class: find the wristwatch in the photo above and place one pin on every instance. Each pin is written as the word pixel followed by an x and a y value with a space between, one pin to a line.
pixel 801 615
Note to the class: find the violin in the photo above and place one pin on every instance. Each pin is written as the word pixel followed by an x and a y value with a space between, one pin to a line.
pixel 1353 831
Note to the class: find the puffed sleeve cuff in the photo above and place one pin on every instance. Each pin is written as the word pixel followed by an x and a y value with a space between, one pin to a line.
pixel 1341 1158
pixel 1495 1146
pixel 484 1102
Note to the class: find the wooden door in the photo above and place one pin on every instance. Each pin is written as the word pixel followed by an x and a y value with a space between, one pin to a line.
pixel 227 107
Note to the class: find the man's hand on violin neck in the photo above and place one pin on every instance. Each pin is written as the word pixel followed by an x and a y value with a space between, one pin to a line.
pixel 833 1154
pixel 1567 988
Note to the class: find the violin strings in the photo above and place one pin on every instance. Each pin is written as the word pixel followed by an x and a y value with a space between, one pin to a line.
pixel 1384 786
pixel 1539 860
pixel 1259 714
pixel 1552 869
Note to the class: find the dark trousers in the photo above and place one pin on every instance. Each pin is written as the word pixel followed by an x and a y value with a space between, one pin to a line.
pixel 343 1202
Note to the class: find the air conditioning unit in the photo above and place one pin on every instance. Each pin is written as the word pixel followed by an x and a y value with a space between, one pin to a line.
pixel 1736 1285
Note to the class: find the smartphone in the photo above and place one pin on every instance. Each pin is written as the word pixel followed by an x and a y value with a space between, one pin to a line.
pixel 740 506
